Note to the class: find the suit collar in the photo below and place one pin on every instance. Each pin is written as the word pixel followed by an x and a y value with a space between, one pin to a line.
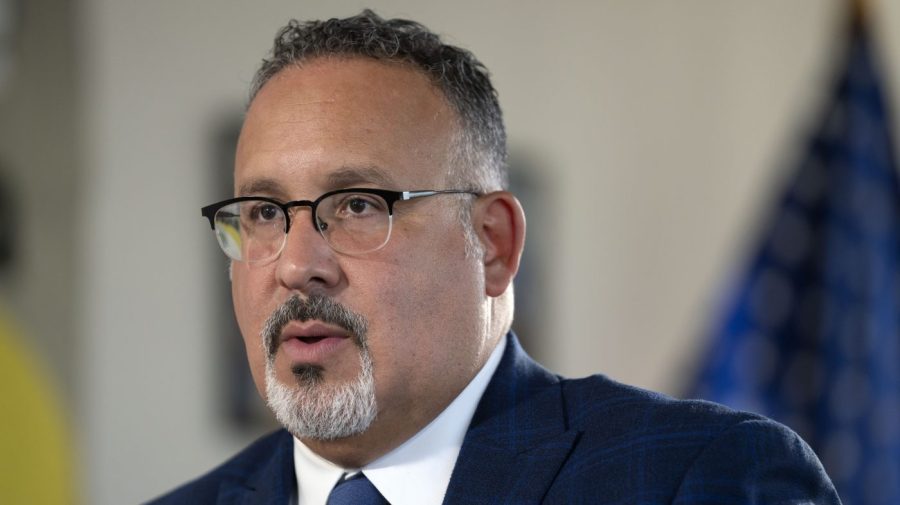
pixel 518 438
pixel 271 483
pixel 512 451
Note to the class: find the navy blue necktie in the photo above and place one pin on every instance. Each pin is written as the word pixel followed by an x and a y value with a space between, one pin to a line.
pixel 356 490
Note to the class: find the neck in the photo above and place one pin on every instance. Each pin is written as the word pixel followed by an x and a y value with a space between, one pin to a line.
pixel 388 431
pixel 395 424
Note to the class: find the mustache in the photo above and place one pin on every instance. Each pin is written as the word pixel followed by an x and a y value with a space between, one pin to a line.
pixel 315 307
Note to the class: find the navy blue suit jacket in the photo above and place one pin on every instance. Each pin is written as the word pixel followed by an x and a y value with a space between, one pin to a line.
pixel 540 438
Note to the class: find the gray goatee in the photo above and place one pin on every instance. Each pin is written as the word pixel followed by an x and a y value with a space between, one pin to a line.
pixel 313 407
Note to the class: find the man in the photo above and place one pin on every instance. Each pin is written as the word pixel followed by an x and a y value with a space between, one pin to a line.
pixel 373 249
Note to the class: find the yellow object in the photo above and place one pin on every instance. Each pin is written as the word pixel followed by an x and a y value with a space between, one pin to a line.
pixel 230 238
pixel 35 459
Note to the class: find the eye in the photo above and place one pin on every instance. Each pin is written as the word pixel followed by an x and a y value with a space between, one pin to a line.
pixel 359 205
pixel 264 211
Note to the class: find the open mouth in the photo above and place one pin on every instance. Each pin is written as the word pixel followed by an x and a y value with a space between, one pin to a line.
pixel 311 340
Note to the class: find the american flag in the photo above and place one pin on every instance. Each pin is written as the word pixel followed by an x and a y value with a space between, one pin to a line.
pixel 811 335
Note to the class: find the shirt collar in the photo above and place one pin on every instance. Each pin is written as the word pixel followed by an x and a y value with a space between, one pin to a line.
pixel 418 471
pixel 315 475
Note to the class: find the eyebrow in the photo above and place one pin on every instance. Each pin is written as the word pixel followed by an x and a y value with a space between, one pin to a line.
pixel 343 177
pixel 260 186
pixel 348 176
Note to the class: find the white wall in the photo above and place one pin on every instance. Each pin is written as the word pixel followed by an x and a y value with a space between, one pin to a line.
pixel 40 168
pixel 661 126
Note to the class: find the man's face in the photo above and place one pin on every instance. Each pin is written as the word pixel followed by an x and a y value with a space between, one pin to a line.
pixel 338 123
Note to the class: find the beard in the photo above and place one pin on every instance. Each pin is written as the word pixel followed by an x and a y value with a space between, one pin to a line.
pixel 311 407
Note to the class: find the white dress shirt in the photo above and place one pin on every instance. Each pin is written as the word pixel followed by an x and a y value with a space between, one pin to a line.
pixel 418 471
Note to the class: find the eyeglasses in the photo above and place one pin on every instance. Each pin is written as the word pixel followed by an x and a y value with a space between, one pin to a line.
pixel 353 221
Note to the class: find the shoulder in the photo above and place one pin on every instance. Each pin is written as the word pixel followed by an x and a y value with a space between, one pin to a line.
pixel 686 449
pixel 626 420
pixel 598 399
pixel 237 469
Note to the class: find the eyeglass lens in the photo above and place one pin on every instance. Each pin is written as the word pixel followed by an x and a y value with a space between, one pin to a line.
pixel 351 223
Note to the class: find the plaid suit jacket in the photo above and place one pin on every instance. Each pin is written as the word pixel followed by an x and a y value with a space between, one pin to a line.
pixel 539 438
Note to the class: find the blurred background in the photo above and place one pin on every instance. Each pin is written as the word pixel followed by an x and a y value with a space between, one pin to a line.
pixel 651 142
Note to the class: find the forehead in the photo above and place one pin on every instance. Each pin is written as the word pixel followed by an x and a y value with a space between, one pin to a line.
pixel 330 121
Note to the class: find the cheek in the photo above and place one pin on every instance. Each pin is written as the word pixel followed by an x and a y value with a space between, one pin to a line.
pixel 250 317
pixel 243 306
pixel 257 364
pixel 420 303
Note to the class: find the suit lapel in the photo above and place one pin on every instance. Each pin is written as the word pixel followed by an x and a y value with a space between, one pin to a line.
pixel 514 448
pixel 272 482
pixel 518 439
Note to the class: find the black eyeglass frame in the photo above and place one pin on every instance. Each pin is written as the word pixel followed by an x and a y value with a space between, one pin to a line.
pixel 390 197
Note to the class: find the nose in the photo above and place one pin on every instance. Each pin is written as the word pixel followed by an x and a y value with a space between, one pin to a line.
pixel 307 263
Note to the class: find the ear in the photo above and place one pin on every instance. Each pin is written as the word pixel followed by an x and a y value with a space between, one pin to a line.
pixel 500 224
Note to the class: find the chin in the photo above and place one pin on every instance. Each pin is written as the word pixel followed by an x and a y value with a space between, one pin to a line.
pixel 310 407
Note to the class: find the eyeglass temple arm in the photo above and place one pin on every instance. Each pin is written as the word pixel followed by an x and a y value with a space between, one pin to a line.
pixel 410 195
pixel 209 213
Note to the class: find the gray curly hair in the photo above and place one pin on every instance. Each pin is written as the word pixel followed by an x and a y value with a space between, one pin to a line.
pixel 480 147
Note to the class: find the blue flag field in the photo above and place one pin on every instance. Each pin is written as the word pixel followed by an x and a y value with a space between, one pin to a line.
pixel 811 335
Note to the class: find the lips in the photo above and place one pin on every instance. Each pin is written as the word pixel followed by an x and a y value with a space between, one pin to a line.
pixel 311 341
